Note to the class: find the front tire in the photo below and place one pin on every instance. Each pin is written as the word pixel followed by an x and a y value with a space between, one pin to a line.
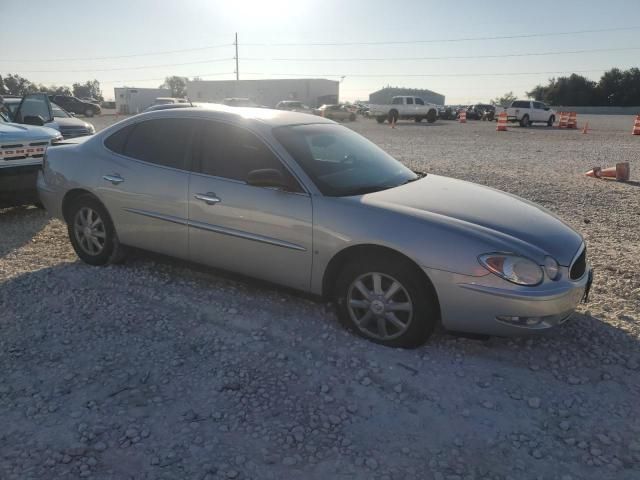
pixel 551 121
pixel 92 233
pixel 386 300
pixel 88 112
pixel 431 116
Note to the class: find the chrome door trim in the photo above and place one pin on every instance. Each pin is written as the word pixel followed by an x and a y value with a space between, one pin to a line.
pixel 218 229
pixel 245 235
pixel 159 216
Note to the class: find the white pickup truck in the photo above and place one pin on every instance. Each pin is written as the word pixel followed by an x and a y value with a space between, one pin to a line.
pixel 527 112
pixel 22 148
pixel 404 108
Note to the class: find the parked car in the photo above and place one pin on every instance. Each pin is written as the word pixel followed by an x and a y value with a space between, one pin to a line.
pixel 304 202
pixel 293 106
pixel 480 111
pixel 22 148
pixel 404 108
pixel 527 112
pixel 75 105
pixel 446 112
pixel 169 100
pixel 63 121
pixel 335 112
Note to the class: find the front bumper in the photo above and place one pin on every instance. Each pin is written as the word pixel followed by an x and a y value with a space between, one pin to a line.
pixel 490 305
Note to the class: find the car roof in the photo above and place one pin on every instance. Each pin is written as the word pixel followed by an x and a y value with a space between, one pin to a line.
pixel 266 116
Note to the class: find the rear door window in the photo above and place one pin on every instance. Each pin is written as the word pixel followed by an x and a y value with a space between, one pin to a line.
pixel 419 101
pixel 161 141
pixel 520 104
pixel 409 101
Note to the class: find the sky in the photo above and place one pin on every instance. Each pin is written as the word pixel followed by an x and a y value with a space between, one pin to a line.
pixel 371 44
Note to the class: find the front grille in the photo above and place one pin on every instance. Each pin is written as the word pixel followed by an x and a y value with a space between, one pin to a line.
pixel 579 266
pixel 21 151
pixel 71 132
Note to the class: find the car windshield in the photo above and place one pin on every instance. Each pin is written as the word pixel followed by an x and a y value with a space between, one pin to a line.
pixel 341 162
pixel 58 112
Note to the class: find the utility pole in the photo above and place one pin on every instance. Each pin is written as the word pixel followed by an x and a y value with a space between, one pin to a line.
pixel 236 57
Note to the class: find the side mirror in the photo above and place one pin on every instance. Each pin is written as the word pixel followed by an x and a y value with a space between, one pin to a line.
pixel 36 120
pixel 267 177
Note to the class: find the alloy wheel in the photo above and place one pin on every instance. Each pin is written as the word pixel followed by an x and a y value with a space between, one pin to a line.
pixel 379 306
pixel 89 231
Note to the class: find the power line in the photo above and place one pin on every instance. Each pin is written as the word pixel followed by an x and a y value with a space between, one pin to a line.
pixel 148 54
pixel 395 59
pixel 140 67
pixel 446 40
pixel 383 75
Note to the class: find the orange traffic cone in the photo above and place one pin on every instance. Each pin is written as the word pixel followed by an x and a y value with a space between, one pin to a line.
pixel 502 122
pixel 595 172
pixel 636 126
pixel 620 172
pixel 586 128
pixel 573 120
pixel 463 117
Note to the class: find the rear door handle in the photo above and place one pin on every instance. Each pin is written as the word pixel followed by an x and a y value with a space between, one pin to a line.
pixel 115 179
pixel 209 198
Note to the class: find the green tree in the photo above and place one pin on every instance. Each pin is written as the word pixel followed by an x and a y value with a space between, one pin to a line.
pixel 177 85
pixel 16 85
pixel 91 88
pixel 505 100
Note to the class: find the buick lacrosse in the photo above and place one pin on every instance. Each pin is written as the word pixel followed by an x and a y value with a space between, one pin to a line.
pixel 303 202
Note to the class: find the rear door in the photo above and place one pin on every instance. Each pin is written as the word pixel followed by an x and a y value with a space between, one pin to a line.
pixel 144 182
pixel 34 105
pixel 258 231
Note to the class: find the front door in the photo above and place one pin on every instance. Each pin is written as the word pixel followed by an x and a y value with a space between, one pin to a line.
pixel 257 231
pixel 143 180
pixel 34 105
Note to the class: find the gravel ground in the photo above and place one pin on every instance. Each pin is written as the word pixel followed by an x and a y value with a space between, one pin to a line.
pixel 157 369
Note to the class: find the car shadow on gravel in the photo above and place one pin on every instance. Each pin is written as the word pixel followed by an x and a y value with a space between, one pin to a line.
pixel 18 225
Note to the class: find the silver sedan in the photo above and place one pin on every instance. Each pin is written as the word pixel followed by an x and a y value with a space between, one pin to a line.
pixel 303 202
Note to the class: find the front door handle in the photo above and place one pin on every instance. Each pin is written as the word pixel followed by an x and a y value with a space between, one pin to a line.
pixel 209 198
pixel 115 179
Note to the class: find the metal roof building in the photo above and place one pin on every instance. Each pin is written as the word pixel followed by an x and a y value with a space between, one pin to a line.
pixel 385 95
pixel 311 91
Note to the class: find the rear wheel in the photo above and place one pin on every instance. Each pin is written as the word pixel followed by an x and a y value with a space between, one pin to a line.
pixel 393 116
pixel 387 301
pixel 551 121
pixel 525 122
pixel 431 116
pixel 92 233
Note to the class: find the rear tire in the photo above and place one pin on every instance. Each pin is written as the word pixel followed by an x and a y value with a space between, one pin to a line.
pixel 88 112
pixel 432 116
pixel 525 122
pixel 92 233
pixel 405 319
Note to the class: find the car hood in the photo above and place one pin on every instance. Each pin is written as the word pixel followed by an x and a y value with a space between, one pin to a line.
pixel 486 210
pixel 10 132
pixel 68 122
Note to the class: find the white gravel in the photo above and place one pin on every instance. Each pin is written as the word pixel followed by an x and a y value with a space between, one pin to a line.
pixel 157 369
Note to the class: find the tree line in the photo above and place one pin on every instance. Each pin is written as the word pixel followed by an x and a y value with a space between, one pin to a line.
pixel 616 88
pixel 14 84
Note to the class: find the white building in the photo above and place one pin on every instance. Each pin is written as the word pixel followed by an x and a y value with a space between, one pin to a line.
pixel 311 91
pixel 135 100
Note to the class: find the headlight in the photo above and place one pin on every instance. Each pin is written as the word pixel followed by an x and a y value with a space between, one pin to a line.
pixel 515 269
pixel 91 129
pixel 552 268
